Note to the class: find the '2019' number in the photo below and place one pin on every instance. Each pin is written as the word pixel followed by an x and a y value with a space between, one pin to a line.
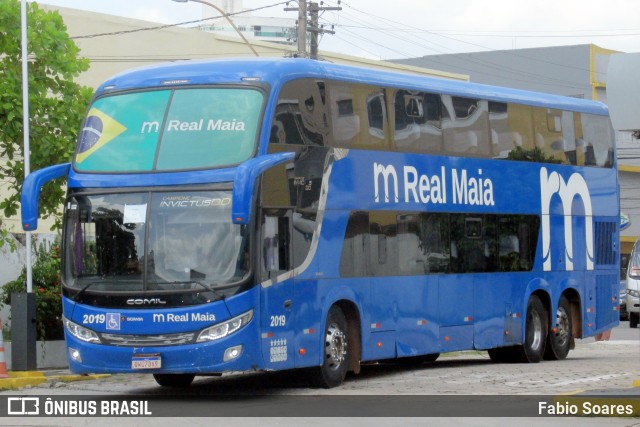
pixel 277 321
pixel 93 318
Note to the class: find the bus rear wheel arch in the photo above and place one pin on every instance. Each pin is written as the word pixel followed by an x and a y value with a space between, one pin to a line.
pixel 535 332
pixel 532 350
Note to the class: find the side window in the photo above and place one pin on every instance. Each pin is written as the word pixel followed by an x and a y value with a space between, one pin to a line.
pixel 285 240
pixel 275 256
pixel 466 129
pixel 300 118
pixel 418 122
pixel 413 255
pixel 384 244
pixel 595 138
pixel 434 241
pixel 388 243
pixel 358 116
pixel 473 243
pixel 353 261
pixel 547 131
pixel 511 129
pixel 517 240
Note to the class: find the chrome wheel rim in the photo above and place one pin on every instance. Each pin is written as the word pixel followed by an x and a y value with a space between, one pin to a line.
pixel 335 346
pixel 535 332
pixel 562 330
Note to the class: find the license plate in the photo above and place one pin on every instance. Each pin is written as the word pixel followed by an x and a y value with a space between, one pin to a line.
pixel 146 361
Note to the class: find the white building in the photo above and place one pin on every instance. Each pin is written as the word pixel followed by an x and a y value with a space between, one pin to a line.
pixel 270 29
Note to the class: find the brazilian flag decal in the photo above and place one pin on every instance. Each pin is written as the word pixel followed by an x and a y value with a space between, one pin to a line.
pixel 99 129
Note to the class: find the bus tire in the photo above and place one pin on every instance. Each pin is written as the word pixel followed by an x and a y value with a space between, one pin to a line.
pixel 535 333
pixel 174 380
pixel 559 338
pixel 335 354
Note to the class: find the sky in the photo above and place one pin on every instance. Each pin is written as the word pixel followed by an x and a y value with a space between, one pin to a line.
pixel 390 29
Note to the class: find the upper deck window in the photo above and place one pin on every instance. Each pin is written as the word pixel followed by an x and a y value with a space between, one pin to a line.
pixel 170 130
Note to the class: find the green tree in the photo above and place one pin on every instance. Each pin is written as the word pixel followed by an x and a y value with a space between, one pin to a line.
pixel 56 102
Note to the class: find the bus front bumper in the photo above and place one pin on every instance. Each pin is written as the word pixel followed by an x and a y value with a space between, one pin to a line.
pixel 240 352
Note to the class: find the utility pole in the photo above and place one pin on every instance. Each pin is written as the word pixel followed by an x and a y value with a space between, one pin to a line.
pixel 302 27
pixel 312 28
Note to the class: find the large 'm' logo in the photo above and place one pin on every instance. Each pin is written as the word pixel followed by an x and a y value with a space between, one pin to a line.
pixel 553 184
pixel 386 172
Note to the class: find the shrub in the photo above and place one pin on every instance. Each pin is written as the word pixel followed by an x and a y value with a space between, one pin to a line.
pixel 46 287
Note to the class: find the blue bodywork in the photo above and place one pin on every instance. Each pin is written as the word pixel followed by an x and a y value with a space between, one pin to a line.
pixel 398 316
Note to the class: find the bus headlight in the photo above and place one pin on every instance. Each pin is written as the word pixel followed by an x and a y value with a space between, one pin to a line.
pixel 80 332
pixel 223 329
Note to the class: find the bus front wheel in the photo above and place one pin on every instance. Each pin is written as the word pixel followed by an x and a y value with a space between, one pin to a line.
pixel 174 380
pixel 532 350
pixel 559 340
pixel 335 361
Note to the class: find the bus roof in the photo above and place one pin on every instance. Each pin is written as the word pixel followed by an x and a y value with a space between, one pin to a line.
pixel 275 71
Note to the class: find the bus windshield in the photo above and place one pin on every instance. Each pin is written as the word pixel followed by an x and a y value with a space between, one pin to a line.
pixel 165 241
pixel 161 130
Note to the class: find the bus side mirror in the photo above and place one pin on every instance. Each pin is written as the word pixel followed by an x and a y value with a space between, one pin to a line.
pixel 31 192
pixel 245 180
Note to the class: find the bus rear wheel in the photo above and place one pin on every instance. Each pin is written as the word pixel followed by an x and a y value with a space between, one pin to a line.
pixel 559 338
pixel 536 328
pixel 335 361
pixel 174 380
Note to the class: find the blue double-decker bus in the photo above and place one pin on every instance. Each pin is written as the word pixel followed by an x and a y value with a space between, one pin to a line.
pixel 286 213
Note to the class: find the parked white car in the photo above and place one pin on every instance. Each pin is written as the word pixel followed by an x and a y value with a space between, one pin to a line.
pixel 633 286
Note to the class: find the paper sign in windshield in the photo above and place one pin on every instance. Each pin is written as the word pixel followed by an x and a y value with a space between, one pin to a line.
pixel 135 214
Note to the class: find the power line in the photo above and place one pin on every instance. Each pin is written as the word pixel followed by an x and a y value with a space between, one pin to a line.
pixel 508 72
pixel 405 26
pixel 161 27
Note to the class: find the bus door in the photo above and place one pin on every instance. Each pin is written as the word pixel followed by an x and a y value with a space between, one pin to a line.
pixel 286 233
pixel 277 288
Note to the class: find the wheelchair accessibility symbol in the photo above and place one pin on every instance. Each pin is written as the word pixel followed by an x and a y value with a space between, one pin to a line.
pixel 113 321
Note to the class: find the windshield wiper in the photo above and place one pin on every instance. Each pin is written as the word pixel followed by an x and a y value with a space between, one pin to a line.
pixel 76 297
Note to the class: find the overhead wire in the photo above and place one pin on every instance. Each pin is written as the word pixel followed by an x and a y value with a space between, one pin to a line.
pixel 485 48
pixel 177 24
pixel 508 72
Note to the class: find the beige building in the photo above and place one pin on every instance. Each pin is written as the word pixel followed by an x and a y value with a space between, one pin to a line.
pixel 114 44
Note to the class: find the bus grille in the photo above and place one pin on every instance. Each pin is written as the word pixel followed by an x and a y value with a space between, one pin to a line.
pixel 148 340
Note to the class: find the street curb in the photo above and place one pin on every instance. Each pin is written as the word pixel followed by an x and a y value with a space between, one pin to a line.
pixel 18 380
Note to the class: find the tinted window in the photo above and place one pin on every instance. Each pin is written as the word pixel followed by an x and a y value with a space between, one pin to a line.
pixel 418 122
pixel 358 116
pixel 300 117
pixel 432 123
pixel 387 243
pixel 466 129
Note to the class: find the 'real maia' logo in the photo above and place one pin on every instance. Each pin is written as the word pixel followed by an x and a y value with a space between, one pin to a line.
pixel 459 186
pixel 552 184
pixel 463 187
